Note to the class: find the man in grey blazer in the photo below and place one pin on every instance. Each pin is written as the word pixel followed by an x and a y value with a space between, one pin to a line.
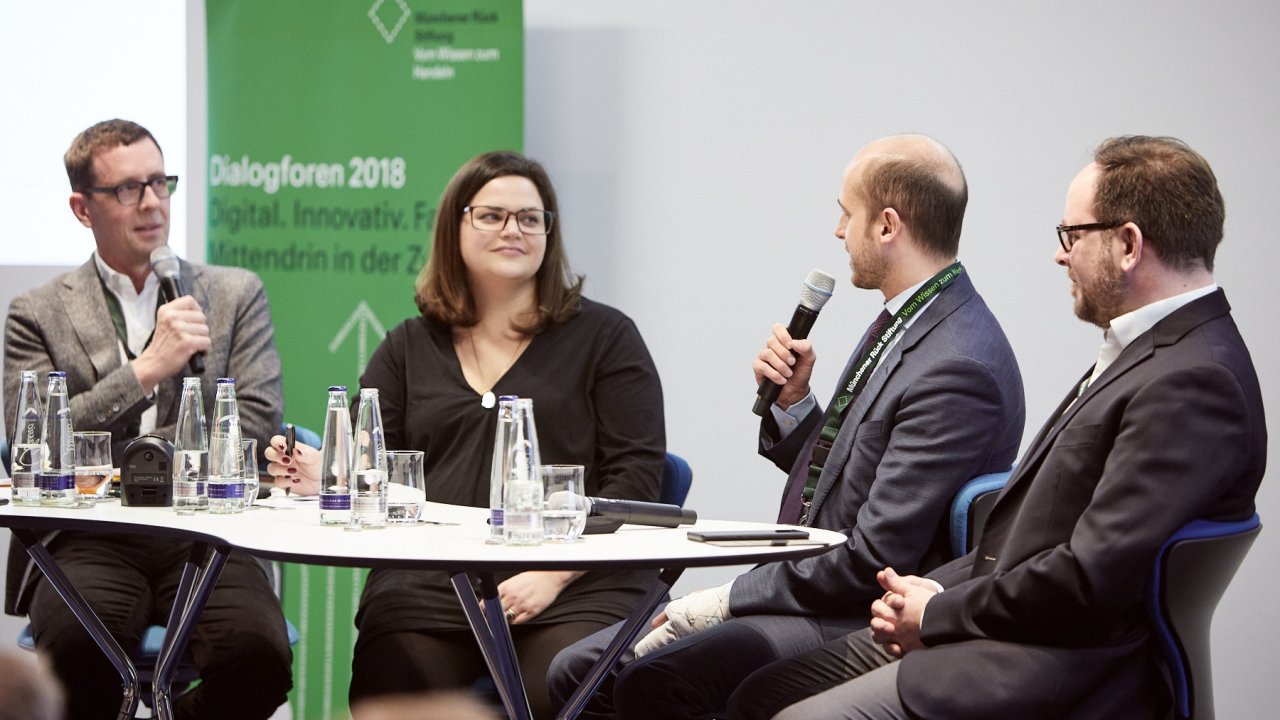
pixel 125 352
pixel 1046 615
pixel 943 403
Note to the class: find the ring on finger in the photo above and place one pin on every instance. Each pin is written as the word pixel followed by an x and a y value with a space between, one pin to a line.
pixel 511 614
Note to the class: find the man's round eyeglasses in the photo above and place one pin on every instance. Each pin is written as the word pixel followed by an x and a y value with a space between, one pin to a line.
pixel 1064 231
pixel 494 219
pixel 130 192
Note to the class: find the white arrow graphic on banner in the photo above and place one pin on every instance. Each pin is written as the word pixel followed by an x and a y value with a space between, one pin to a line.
pixel 362 318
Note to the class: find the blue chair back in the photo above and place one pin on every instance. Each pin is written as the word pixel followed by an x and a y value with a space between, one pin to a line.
pixel 677 478
pixel 970 508
pixel 4 453
pixel 1191 572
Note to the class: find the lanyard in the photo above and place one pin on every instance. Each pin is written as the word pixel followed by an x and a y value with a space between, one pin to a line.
pixel 860 372
pixel 117 317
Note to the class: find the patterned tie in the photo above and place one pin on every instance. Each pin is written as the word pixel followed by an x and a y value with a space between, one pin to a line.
pixel 793 503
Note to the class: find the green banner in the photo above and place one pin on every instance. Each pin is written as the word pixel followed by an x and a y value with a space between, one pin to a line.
pixel 333 129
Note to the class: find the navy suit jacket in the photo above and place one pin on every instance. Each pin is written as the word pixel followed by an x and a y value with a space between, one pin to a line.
pixel 945 405
pixel 1046 614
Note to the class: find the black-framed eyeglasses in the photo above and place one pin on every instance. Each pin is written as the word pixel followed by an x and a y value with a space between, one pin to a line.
pixel 493 219
pixel 130 192
pixel 1064 231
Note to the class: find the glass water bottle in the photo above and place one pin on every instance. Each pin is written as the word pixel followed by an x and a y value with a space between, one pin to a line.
pixel 503 438
pixel 190 452
pixel 335 460
pixel 57 478
pixel 369 506
pixel 25 456
pixel 226 485
pixel 522 498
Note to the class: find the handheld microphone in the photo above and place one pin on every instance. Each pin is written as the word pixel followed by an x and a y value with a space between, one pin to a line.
pixel 165 265
pixel 817 290
pixel 635 512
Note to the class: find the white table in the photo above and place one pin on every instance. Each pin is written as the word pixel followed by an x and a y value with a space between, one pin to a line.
pixel 457 545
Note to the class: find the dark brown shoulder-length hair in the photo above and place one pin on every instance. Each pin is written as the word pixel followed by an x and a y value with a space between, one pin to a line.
pixel 442 291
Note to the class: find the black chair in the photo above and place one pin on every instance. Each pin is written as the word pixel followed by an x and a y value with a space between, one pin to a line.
pixel 1191 572
pixel 970 508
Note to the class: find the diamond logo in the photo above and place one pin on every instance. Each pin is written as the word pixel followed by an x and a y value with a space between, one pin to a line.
pixel 376 12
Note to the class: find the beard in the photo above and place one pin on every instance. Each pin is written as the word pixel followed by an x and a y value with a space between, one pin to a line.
pixel 869 266
pixel 1101 295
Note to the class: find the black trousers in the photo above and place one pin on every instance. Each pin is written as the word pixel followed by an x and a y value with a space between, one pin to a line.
pixel 409 662
pixel 239 645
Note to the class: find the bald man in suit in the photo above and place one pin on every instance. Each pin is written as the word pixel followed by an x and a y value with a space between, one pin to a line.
pixel 940 402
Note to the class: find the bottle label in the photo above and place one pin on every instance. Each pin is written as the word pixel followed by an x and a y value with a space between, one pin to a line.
pixel 56 481
pixel 335 502
pixel 226 491
pixel 495 517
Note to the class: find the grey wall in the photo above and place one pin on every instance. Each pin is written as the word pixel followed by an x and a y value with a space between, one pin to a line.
pixel 697 148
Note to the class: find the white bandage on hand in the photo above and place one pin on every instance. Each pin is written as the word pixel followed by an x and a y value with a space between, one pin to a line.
pixel 687 615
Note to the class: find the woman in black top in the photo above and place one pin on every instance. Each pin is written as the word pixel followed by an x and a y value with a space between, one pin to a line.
pixel 501 315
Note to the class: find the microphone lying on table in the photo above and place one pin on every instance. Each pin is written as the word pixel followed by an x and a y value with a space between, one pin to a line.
pixel 604 515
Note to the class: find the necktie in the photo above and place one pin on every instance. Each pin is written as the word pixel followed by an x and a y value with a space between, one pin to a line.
pixel 793 503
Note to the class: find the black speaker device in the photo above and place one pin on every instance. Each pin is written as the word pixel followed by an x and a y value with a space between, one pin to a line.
pixel 146 473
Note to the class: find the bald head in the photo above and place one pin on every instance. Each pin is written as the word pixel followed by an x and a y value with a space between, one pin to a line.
pixel 919 178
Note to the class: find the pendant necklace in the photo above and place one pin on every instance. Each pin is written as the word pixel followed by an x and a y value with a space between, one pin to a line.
pixel 488 399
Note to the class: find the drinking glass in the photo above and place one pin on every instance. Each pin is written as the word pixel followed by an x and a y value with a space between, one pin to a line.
pixel 407 490
pixel 249 470
pixel 564 510
pixel 93 465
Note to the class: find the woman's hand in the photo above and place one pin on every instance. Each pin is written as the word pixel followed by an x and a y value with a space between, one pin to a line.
pixel 526 595
pixel 299 474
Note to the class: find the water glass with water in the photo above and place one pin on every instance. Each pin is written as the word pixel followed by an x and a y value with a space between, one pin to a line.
pixel 564 510
pixel 406 491
pixel 93 465
pixel 249 470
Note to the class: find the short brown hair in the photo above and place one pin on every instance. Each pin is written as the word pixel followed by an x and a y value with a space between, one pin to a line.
pixel 106 134
pixel 442 290
pixel 1166 189
pixel 923 189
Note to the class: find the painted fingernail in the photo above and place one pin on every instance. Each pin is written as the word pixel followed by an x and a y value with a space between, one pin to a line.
pixel 297 480
pixel 291 470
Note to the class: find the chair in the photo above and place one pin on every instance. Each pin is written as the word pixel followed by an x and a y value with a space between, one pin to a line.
pixel 1191 572
pixel 677 478
pixel 970 508
pixel 4 453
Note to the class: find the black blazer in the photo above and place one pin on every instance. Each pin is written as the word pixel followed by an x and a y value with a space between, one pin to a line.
pixel 1046 614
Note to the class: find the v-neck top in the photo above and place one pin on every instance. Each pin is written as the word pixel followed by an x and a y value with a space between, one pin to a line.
pixel 597 402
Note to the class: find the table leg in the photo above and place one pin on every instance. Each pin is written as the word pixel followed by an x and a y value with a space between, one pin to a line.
pixel 80 608
pixel 189 601
pixel 494 637
pixel 626 635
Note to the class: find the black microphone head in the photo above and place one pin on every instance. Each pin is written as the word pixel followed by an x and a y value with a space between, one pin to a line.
pixel 164 262
pixel 818 287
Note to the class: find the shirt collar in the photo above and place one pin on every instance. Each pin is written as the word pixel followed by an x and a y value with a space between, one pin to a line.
pixel 121 284
pixel 1127 327
pixel 895 303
